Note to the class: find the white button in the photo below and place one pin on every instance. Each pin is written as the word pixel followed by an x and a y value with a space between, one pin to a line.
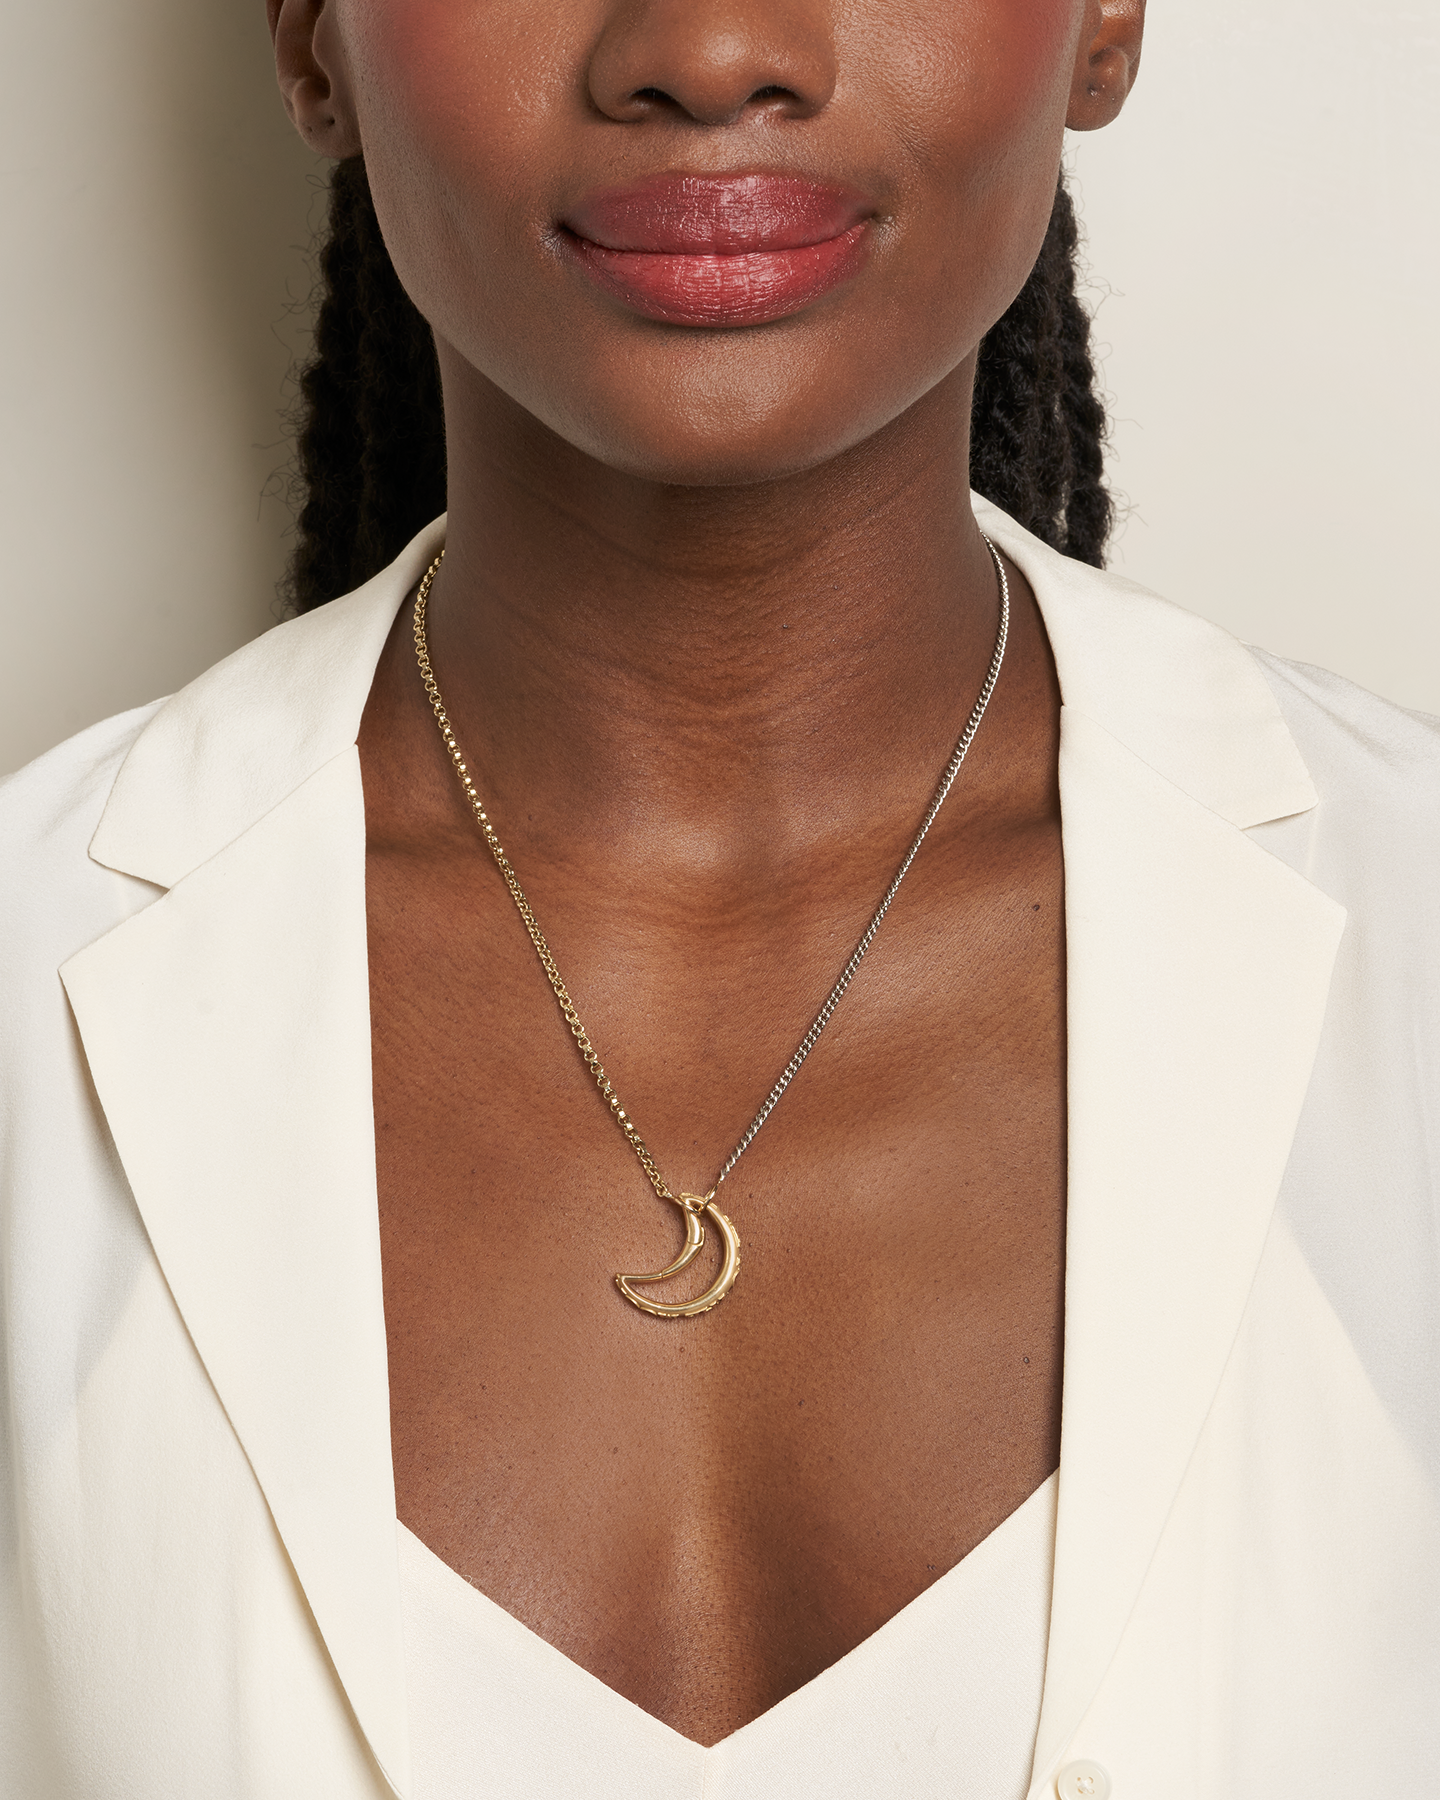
pixel 1083 1781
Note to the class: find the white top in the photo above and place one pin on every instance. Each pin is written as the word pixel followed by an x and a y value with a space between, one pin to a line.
pixel 943 1699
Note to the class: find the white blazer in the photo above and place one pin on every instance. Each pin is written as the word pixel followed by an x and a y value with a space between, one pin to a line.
pixel 198 1586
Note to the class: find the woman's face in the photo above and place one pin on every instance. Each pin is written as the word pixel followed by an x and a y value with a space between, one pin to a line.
pixel 711 241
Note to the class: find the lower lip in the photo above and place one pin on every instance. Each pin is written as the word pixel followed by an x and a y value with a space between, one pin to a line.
pixel 743 288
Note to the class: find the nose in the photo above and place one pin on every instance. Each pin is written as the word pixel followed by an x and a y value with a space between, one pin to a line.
pixel 710 62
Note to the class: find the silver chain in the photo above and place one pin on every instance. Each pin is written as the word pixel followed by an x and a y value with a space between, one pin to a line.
pixel 847 974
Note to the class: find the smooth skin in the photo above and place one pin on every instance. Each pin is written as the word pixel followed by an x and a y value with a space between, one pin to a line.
pixel 712 615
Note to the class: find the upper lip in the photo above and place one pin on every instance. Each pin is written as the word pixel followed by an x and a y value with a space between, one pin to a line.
pixel 716 215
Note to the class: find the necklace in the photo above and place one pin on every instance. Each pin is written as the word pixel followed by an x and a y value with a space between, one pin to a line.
pixel 695 1208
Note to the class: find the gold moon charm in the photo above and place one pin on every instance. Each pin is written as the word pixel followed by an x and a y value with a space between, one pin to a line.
pixel 692 1205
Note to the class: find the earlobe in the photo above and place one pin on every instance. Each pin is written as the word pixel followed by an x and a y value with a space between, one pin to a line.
pixel 314 83
pixel 1107 63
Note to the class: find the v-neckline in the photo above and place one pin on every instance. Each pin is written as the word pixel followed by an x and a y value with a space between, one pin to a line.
pixel 1035 1514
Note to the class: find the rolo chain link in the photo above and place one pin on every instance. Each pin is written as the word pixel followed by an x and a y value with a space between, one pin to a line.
pixel 542 949
pixel 517 894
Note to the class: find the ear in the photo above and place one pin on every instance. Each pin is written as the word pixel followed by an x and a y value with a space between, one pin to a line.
pixel 1107 63
pixel 314 79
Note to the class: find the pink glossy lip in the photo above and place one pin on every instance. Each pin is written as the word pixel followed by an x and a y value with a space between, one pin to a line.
pixel 719 249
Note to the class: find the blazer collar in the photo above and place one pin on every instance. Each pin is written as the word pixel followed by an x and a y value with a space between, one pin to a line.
pixel 227 1029
pixel 1179 692
pixel 234 743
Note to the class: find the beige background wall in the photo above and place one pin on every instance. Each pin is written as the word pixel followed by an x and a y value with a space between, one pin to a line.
pixel 153 200
pixel 1262 229
pixel 1265 214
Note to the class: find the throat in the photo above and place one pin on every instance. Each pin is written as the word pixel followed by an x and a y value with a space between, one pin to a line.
pixel 619 651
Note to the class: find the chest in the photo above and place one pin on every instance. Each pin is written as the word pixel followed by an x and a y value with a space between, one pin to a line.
pixel 707 1512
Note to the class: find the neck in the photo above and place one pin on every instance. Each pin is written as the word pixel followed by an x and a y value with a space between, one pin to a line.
pixel 624 659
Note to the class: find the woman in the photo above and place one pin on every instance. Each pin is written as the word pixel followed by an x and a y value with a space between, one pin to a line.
pixel 1040 1403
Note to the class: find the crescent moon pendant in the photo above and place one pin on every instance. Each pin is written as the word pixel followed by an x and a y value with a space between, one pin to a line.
pixel 693 1206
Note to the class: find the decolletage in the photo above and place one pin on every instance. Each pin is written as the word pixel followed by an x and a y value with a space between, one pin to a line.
pixel 943 1699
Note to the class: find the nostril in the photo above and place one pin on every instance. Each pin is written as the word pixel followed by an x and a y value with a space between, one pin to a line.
pixel 673 61
pixel 656 98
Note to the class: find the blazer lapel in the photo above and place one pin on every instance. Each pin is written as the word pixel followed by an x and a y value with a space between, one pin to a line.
pixel 227 1029
pixel 1198 971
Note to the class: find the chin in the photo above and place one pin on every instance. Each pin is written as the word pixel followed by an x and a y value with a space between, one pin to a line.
pixel 718 409
pixel 718 453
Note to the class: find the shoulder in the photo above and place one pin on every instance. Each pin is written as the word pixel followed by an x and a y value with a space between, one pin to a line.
pixel 1352 734
pixel 1375 765
pixel 100 825
pixel 50 808
pixel 53 898
pixel 65 789
pixel 1371 841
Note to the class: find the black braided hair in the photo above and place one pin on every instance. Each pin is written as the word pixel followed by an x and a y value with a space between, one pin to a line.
pixel 1038 426
pixel 371 429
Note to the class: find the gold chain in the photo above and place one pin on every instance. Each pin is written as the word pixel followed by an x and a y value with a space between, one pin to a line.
pixel 693 1204
pixel 517 894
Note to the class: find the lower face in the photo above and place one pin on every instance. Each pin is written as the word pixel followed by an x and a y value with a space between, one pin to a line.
pixel 694 298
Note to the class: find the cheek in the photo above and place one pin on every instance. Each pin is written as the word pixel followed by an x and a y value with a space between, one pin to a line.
pixel 966 102
pixel 428 62
pixel 467 110
pixel 978 91
pixel 458 101
pixel 454 98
